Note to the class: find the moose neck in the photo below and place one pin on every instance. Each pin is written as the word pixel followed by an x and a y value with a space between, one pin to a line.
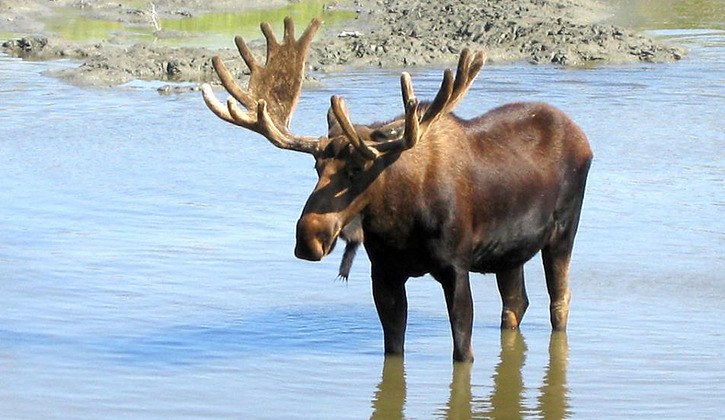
pixel 412 184
pixel 389 200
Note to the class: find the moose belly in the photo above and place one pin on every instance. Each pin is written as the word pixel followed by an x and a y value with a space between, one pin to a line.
pixel 508 250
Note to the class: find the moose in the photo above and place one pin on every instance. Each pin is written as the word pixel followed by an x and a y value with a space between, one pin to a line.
pixel 426 192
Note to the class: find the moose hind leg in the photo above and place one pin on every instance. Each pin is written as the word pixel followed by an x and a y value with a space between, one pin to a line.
pixel 556 256
pixel 513 297
pixel 556 269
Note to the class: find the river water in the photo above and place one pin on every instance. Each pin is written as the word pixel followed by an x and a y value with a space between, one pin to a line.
pixel 146 265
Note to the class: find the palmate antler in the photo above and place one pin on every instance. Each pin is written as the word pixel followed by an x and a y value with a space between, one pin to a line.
pixel 273 89
pixel 449 95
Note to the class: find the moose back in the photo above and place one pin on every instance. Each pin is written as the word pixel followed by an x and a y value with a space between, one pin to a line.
pixel 426 192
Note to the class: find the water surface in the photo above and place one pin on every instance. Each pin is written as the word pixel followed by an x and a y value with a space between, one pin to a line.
pixel 146 261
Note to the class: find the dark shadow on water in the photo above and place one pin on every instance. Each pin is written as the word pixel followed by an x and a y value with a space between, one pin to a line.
pixel 505 399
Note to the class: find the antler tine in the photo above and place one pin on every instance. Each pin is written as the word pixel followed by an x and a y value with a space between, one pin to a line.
pixel 412 124
pixel 343 118
pixel 246 53
pixel 309 33
pixel 245 120
pixel 406 86
pixel 230 84
pixel 269 36
pixel 263 124
pixel 477 64
pixel 214 105
pixel 464 63
pixel 410 104
pixel 438 107
pixel 468 68
pixel 449 94
pixel 289 29
pixel 440 103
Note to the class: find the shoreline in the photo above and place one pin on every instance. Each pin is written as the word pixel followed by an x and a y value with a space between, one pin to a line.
pixel 383 33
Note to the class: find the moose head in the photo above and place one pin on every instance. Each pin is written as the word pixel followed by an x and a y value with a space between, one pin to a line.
pixel 352 157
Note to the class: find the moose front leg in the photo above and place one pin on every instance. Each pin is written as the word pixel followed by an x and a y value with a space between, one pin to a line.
pixel 391 303
pixel 459 301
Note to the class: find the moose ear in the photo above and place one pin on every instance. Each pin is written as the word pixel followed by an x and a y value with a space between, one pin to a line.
pixel 332 123
pixel 388 132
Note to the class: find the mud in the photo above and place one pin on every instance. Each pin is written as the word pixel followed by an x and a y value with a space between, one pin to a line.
pixel 385 33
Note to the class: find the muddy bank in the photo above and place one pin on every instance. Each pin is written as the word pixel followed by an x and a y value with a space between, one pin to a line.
pixel 385 33
pixel 562 32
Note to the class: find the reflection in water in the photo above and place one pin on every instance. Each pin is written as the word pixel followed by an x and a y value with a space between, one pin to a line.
pixel 389 399
pixel 459 403
pixel 508 385
pixel 506 399
pixel 554 393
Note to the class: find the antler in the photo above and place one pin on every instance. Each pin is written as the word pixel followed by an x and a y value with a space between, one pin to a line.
pixel 449 95
pixel 343 118
pixel 273 89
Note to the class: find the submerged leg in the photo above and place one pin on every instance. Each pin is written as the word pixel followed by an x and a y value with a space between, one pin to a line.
pixel 391 303
pixel 513 297
pixel 459 301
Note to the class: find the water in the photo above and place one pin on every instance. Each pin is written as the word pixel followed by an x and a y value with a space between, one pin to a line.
pixel 146 261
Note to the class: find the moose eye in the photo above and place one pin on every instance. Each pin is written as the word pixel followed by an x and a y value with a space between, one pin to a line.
pixel 353 170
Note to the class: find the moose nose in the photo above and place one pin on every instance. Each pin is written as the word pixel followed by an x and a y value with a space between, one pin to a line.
pixel 310 251
pixel 314 237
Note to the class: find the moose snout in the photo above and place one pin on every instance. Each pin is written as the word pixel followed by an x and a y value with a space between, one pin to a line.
pixel 316 236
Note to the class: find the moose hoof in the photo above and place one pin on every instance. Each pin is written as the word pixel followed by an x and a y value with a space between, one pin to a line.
pixel 509 320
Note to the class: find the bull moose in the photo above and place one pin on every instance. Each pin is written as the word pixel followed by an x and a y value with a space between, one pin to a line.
pixel 427 192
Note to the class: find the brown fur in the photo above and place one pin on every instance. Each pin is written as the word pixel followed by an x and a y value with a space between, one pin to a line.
pixel 432 193
pixel 482 195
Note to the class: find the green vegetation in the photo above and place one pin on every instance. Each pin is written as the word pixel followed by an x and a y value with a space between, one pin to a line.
pixel 208 30
pixel 671 14
pixel 247 23
pixel 77 28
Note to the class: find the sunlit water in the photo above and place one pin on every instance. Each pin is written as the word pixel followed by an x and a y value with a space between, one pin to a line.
pixel 146 265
